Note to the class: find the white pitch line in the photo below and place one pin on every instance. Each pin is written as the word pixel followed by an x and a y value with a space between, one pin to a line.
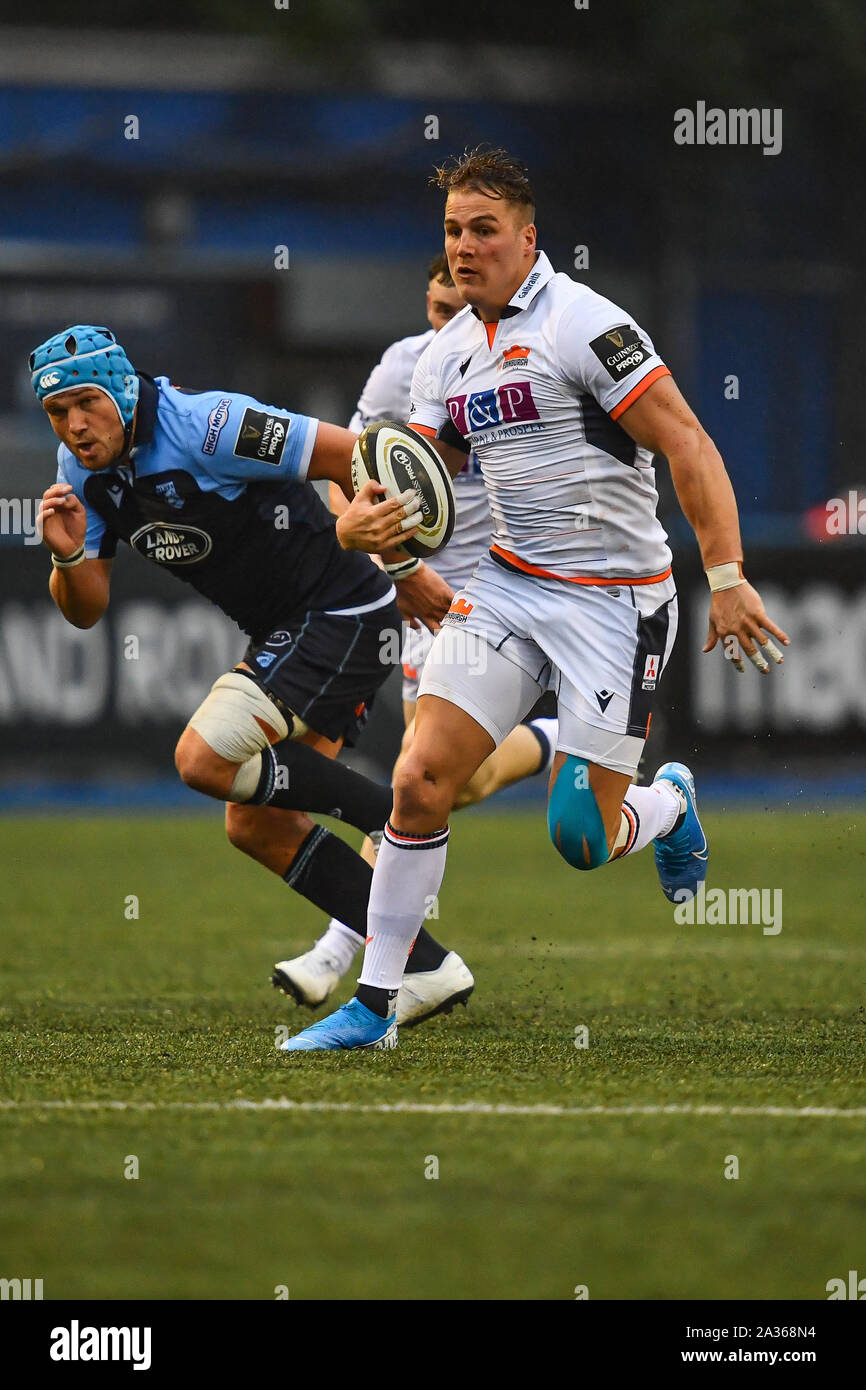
pixel 469 1107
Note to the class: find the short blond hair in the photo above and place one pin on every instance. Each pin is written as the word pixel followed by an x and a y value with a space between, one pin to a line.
pixel 491 171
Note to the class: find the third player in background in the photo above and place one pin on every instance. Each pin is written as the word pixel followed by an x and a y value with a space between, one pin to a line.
pixel 528 749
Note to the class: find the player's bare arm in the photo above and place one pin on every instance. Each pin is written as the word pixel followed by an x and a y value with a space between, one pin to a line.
pixel 372 525
pixel 424 596
pixel 331 458
pixel 80 591
pixel 454 459
pixel 337 499
pixel 662 420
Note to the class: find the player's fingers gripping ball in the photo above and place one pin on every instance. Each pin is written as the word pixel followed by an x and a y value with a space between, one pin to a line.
pixel 411 472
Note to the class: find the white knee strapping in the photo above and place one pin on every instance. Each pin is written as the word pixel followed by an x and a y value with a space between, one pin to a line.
pixel 246 779
pixel 228 719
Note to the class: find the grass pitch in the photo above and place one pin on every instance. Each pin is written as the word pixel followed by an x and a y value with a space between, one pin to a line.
pixel 172 1008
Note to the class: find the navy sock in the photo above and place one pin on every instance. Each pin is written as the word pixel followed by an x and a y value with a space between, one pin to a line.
pixel 297 778
pixel 544 741
pixel 378 1000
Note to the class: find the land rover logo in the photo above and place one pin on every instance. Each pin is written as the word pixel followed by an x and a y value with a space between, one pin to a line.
pixel 171 545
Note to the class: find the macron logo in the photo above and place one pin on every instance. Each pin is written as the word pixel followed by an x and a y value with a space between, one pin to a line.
pixel 76 1343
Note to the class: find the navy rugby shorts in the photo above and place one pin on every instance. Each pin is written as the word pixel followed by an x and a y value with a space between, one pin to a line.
pixel 327 668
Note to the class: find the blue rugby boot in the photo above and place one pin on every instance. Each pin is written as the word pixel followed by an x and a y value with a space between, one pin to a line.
pixel 352 1026
pixel 681 855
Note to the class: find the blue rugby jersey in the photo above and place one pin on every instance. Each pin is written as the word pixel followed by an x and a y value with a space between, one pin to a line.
pixel 214 490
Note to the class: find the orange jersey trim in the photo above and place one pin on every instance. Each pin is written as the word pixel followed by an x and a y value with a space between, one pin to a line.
pixel 424 429
pixel 548 574
pixel 490 329
pixel 638 391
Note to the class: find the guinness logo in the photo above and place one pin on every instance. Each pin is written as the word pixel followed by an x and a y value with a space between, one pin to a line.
pixel 615 338
pixel 262 436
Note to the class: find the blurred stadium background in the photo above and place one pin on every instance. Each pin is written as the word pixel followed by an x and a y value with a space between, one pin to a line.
pixel 260 127
pixel 307 128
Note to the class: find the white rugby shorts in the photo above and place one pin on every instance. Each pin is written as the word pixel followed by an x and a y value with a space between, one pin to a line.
pixel 602 649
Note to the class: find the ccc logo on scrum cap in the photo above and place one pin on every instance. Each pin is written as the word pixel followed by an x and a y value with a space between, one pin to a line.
pixel 50 379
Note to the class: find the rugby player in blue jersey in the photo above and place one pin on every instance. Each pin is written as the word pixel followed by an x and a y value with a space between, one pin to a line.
pixel 215 487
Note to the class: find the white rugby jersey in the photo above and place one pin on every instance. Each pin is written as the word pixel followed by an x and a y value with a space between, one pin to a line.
pixel 537 396
pixel 387 393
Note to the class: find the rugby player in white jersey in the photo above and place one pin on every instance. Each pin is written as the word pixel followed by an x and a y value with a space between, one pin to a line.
pixel 442 978
pixel 565 401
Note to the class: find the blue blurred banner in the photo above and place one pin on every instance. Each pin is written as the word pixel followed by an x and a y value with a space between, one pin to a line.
pixel 83 704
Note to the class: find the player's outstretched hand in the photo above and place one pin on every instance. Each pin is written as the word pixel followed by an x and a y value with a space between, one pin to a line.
pixel 424 595
pixel 370 524
pixel 739 613
pixel 61 520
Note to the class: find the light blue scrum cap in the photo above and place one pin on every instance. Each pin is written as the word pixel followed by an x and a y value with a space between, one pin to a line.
pixel 86 356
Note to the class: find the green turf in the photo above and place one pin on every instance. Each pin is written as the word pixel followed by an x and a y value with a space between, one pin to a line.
pixel 175 1007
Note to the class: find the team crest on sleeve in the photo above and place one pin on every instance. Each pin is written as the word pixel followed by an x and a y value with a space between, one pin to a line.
pixel 215 421
pixel 262 436
pixel 620 351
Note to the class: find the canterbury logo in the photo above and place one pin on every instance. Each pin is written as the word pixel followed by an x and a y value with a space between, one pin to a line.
pixel 615 338
pixel 461 606
pixel 514 354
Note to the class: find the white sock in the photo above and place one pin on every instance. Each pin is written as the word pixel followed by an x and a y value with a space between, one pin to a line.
pixel 408 874
pixel 549 729
pixel 646 813
pixel 339 943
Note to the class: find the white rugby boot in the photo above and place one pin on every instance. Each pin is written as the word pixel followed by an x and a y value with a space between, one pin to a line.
pixel 308 979
pixel 430 992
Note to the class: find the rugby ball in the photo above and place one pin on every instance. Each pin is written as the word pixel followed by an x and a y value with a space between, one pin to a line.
pixel 394 455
